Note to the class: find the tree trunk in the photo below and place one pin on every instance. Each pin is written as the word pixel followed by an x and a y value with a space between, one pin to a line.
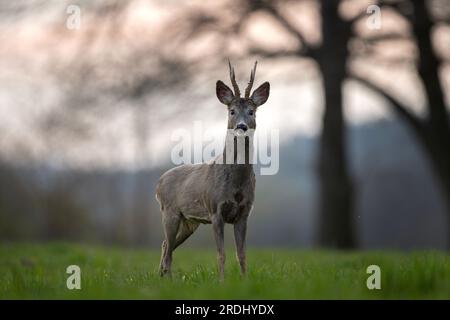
pixel 336 193
pixel 435 136
pixel 438 149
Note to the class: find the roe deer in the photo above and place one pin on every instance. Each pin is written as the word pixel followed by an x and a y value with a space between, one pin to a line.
pixel 218 192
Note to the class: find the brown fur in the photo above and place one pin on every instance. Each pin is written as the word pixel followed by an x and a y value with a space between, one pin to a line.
pixel 212 193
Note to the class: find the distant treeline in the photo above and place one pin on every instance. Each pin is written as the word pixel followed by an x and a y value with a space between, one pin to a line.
pixel 398 206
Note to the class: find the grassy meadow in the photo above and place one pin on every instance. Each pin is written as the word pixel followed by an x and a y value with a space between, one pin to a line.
pixel 39 272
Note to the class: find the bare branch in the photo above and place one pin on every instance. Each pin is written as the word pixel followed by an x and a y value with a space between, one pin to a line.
pixel 398 106
pixel 305 48
pixel 372 58
pixel 359 16
pixel 385 37
pixel 274 54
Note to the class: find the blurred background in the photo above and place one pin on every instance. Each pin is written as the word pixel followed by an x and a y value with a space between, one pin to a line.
pixel 91 91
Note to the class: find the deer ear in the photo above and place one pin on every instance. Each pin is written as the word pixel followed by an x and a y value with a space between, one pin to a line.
pixel 224 94
pixel 260 95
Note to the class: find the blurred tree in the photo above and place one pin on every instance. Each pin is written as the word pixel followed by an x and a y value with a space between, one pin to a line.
pixel 132 77
pixel 432 131
pixel 336 196
pixel 65 218
pixel 332 56
pixel 335 225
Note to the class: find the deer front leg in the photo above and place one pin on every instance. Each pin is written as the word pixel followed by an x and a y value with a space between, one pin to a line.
pixel 240 230
pixel 218 226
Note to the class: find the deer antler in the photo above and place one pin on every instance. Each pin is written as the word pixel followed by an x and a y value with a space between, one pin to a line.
pixel 250 83
pixel 237 93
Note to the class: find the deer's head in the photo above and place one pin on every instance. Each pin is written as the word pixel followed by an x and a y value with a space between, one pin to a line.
pixel 242 111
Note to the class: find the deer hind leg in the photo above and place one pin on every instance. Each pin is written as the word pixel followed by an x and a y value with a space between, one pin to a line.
pixel 171 223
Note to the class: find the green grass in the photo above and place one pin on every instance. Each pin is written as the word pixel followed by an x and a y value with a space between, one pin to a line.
pixel 39 271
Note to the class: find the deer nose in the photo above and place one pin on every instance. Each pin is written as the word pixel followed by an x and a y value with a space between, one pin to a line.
pixel 242 126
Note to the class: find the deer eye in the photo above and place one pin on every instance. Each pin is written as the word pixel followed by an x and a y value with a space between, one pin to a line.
pixel 251 112
pixel 232 112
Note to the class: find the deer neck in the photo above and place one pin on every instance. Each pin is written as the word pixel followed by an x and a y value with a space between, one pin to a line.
pixel 238 151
